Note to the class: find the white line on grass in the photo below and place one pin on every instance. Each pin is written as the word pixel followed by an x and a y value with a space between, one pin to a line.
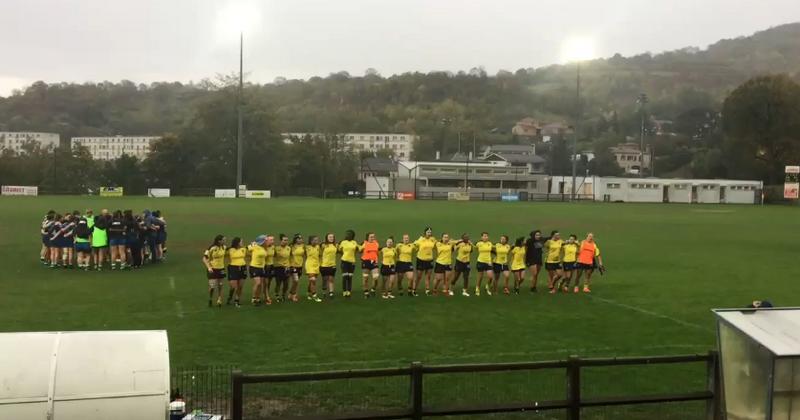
pixel 179 308
pixel 172 282
pixel 651 313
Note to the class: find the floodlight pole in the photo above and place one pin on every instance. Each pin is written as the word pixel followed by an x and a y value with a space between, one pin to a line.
pixel 239 114
pixel 577 125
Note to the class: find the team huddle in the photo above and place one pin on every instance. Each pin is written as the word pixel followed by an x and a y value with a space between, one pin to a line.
pixel 440 264
pixel 87 241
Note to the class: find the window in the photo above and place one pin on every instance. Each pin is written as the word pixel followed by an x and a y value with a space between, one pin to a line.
pixel 614 186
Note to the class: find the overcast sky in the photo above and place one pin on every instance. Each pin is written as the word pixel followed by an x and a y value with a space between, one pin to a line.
pixel 183 40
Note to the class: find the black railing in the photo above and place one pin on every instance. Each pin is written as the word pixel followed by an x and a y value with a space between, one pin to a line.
pixel 421 402
pixel 203 388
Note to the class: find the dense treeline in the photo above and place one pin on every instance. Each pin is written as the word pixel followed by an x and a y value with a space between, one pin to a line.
pixel 688 87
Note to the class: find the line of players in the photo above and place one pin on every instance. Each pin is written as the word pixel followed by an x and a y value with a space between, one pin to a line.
pixel 122 239
pixel 569 265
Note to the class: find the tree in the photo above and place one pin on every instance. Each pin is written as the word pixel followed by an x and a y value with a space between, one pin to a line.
pixel 761 121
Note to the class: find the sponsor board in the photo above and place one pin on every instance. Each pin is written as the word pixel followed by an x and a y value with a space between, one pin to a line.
pixel 158 192
pixel 791 185
pixel 458 196
pixel 242 190
pixel 405 195
pixel 258 194
pixel 20 190
pixel 111 191
pixel 509 197
pixel 225 193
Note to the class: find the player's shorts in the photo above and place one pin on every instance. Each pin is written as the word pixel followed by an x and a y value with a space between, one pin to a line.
pixel 568 266
pixel 499 268
pixel 117 242
pixel 552 266
pixel 388 270
pixel 312 271
pixel 424 265
pixel 581 266
pixel 45 239
pixel 483 267
pixel 369 265
pixel 327 271
pixel 257 272
pixel 348 267
pixel 442 268
pixel 404 267
pixel 237 272
pixel 296 270
pixel 462 267
pixel 520 270
pixel 280 273
pixel 82 247
pixel 534 260
pixel 215 274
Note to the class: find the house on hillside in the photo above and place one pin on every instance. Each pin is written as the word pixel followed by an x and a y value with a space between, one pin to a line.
pixel 629 157
pixel 527 128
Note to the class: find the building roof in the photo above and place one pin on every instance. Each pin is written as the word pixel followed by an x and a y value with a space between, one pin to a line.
pixel 509 148
pixel 517 159
pixel 378 164
pixel 777 329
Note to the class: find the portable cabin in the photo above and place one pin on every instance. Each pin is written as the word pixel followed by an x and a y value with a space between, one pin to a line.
pixel 760 360
pixel 84 375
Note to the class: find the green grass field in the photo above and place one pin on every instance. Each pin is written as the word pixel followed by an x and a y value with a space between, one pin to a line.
pixel 668 266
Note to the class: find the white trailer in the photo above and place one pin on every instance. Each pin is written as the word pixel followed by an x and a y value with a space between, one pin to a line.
pixel 84 375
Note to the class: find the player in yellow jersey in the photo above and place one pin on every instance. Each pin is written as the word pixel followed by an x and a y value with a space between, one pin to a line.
pixel 269 270
pixel 552 262
pixel 463 257
pixel 483 266
pixel 237 270
pixel 388 256
pixel 296 265
pixel 444 265
pixel 405 268
pixel 348 248
pixel 569 256
pixel 518 263
pixel 327 267
pixel 214 261
pixel 283 253
pixel 313 254
pixel 500 266
pixel 424 246
pixel 258 257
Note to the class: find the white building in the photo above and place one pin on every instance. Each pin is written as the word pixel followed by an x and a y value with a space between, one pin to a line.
pixel 110 148
pixel 401 145
pixel 15 140
pixel 664 190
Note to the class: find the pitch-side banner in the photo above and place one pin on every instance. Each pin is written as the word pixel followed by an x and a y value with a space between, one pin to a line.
pixel 111 191
pixel 20 190
pixel 258 194
pixel 231 193
pixel 458 196
pixel 405 195
pixel 158 192
pixel 791 186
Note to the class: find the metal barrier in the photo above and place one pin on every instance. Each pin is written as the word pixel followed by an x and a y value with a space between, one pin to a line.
pixel 419 405
pixel 203 388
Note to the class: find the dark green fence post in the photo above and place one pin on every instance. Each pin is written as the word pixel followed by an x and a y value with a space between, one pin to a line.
pixel 574 388
pixel 714 405
pixel 236 395
pixel 416 390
